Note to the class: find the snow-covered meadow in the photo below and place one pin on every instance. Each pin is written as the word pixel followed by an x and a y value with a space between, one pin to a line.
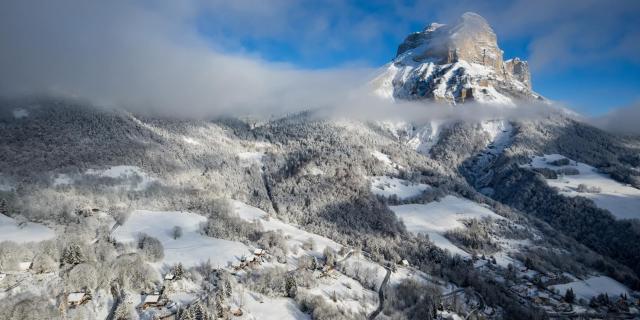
pixel 295 236
pixel 387 186
pixel 594 286
pixel 190 249
pixel 623 201
pixel 436 218
pixel 23 231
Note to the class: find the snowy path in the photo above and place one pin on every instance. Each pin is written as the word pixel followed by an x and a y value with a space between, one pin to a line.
pixel 383 285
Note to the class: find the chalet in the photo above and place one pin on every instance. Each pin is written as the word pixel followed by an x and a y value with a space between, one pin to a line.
pixel 169 276
pixel 154 299
pixel 404 262
pixel 259 252
pixel 253 261
pixel 75 299
pixel 540 297
pixel 151 300
pixel 563 307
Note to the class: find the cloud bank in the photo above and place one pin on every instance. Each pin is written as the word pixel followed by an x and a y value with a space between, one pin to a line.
pixel 148 58
pixel 622 120
pixel 189 58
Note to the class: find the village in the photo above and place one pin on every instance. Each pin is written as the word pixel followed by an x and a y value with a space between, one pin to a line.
pixel 175 294
pixel 544 289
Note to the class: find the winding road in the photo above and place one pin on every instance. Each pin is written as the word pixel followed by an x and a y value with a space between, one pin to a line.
pixel 383 285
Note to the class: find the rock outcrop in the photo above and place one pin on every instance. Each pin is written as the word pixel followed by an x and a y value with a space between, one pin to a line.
pixel 456 63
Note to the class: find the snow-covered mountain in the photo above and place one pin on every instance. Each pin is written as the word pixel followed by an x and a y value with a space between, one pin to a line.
pixel 110 214
pixel 455 64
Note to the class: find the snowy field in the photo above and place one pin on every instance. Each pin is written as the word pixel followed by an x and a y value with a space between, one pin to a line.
pixel 260 307
pixel 349 294
pixel 296 236
pixel 28 232
pixel 192 141
pixel 621 200
pixel 386 186
pixel 140 180
pixel 130 177
pixel 593 287
pixel 248 159
pixel 384 158
pixel 190 249
pixel 436 218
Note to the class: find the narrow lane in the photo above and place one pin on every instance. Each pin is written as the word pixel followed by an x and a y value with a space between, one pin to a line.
pixel 383 285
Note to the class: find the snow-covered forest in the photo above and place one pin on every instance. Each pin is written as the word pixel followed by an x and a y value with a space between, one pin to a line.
pixel 109 214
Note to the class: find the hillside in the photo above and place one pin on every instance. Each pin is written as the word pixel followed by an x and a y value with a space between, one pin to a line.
pixel 107 213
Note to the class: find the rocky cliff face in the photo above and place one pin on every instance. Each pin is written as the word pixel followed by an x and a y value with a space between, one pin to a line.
pixel 456 63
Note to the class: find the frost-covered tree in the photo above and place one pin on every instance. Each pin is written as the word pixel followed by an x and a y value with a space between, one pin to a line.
pixel 132 272
pixel 290 287
pixel 81 276
pixel 178 271
pixel 329 256
pixel 43 263
pixel 176 232
pixel 27 306
pixel 4 207
pixel 227 287
pixel 72 254
pixel 569 296
pixel 219 304
pixel 151 248
pixel 11 254
pixel 187 314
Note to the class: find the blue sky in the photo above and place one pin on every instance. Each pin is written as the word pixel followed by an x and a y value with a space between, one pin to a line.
pixel 583 53
pixel 219 56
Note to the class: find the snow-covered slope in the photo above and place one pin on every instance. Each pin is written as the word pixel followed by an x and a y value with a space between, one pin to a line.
pixel 420 137
pixel 403 189
pixel 295 236
pixel 579 179
pixel 12 230
pixel 594 286
pixel 437 217
pixel 190 249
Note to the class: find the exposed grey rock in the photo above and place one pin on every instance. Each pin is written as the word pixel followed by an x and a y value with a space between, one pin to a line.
pixel 456 63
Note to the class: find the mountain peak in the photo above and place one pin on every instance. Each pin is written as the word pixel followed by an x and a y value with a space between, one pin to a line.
pixel 470 39
pixel 456 63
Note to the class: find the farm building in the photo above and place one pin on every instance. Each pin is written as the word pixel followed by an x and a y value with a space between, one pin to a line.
pixel 75 299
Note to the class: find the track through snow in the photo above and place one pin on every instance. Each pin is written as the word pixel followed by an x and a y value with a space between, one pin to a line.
pixel 383 285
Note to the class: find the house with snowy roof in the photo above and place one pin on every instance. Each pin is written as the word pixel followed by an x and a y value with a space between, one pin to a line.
pixel 75 299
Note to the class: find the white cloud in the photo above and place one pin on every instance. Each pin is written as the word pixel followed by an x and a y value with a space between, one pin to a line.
pixel 153 56
pixel 149 58
pixel 622 120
